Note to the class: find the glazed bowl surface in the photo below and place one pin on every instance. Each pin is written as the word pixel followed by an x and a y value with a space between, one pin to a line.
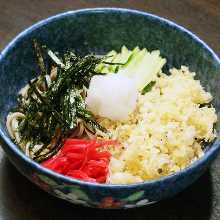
pixel 99 30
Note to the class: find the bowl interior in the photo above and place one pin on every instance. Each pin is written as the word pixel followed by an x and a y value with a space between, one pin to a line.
pixel 98 31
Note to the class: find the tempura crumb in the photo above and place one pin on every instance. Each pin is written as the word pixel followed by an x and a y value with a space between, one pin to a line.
pixel 163 135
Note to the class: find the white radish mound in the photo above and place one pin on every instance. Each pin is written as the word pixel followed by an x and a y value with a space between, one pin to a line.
pixel 112 96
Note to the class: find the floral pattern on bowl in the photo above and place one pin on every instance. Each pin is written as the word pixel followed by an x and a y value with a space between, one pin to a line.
pixel 76 195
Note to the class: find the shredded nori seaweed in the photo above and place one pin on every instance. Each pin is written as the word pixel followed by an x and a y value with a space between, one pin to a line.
pixel 61 104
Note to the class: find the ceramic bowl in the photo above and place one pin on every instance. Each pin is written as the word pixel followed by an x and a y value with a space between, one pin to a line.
pixel 97 31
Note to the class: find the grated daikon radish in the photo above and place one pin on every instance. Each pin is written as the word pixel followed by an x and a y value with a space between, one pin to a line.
pixel 112 96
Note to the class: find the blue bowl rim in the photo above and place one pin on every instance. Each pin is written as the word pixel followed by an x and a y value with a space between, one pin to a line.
pixel 214 149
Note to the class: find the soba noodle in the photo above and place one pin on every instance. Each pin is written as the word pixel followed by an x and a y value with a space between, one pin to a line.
pixel 13 119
